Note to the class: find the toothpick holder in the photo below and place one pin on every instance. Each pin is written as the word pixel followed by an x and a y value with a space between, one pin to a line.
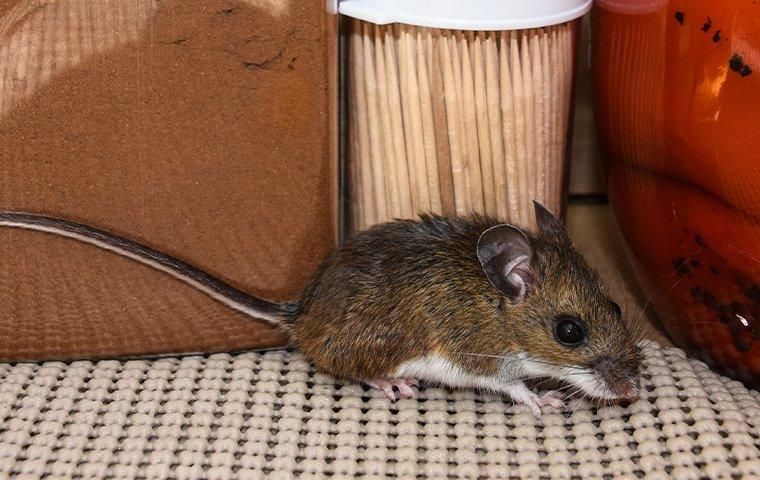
pixel 456 112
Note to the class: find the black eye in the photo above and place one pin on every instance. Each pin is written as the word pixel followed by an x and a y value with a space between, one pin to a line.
pixel 616 309
pixel 570 331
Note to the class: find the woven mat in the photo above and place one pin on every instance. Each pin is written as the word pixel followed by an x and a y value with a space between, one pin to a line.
pixel 257 415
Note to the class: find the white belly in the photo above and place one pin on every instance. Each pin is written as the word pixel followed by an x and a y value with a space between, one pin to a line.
pixel 440 370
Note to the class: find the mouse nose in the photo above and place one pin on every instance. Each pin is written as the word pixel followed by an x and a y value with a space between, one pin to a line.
pixel 623 384
pixel 628 390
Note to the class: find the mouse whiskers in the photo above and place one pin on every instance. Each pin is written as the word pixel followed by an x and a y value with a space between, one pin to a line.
pixel 638 324
pixel 687 324
pixel 575 392
pixel 518 361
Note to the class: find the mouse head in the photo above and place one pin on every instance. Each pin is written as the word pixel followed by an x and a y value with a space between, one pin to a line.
pixel 563 323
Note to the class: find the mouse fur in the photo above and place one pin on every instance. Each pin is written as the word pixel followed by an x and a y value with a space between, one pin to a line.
pixel 414 293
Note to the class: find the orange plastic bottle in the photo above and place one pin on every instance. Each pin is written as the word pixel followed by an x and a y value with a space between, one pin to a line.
pixel 678 113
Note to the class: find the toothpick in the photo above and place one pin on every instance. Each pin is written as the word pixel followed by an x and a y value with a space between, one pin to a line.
pixel 397 125
pixel 415 120
pixel 455 133
pixel 363 162
pixel 386 130
pixel 442 139
pixel 483 129
pixel 423 41
pixel 377 159
pixel 472 170
pixel 529 160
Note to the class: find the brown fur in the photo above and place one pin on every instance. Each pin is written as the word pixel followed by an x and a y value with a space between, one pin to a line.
pixel 407 288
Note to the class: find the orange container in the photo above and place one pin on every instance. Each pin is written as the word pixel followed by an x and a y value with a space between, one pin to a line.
pixel 678 114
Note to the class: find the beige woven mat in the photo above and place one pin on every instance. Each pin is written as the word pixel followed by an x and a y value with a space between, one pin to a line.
pixel 258 415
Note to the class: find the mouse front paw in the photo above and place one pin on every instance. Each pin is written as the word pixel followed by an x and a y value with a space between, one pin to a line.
pixel 552 398
pixel 531 401
pixel 524 396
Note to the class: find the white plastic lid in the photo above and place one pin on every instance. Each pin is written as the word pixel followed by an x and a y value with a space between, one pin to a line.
pixel 466 14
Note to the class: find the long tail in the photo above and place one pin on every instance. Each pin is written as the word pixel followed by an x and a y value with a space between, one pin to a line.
pixel 276 313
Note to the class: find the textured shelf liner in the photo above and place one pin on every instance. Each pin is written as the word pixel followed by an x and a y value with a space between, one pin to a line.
pixel 268 415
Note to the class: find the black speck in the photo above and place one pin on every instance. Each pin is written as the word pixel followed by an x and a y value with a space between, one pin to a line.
pixel 695 263
pixel 707 25
pixel 716 36
pixel 698 240
pixel 737 65
pixel 728 314
pixel 680 265
pixel 742 346
pixel 680 18
pixel 753 293
pixel 714 270
pixel 226 11
pixel 706 297
pixel 265 64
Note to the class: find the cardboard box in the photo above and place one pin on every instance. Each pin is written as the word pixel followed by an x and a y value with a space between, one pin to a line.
pixel 203 128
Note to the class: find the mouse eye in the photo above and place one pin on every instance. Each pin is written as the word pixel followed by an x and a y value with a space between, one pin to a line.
pixel 617 310
pixel 570 331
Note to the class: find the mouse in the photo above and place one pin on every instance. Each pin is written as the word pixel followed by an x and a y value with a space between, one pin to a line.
pixel 457 301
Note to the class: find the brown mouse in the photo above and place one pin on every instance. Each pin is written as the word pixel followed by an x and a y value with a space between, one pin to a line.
pixel 463 302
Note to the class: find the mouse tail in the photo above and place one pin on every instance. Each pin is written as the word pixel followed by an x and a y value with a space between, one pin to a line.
pixel 279 314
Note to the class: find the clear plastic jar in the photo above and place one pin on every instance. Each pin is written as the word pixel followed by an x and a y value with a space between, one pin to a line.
pixel 472 118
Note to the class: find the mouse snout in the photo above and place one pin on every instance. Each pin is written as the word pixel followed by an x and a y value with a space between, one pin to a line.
pixel 629 389
pixel 621 381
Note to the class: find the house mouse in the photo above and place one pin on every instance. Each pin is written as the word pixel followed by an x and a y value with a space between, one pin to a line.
pixel 466 302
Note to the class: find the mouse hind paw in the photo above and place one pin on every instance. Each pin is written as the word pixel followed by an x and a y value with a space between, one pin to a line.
pixel 404 386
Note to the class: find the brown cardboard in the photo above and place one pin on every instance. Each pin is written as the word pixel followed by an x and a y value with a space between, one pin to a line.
pixel 203 128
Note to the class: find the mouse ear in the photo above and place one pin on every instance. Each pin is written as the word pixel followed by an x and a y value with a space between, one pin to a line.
pixel 505 254
pixel 548 224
